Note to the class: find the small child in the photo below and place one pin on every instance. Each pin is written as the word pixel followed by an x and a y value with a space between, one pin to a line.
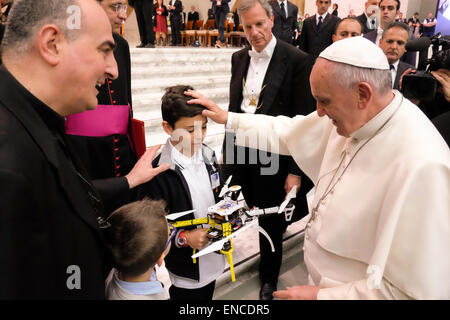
pixel 192 182
pixel 138 236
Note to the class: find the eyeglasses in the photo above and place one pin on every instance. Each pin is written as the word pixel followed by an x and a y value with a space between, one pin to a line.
pixel 119 7
pixel 172 232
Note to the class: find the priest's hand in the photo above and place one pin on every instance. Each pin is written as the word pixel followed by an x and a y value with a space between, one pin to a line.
pixel 214 112
pixel 298 293
pixel 143 170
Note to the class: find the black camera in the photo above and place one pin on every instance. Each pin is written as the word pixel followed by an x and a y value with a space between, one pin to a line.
pixel 422 85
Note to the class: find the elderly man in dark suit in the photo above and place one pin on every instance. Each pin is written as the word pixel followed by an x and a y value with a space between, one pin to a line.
pixel 270 77
pixel 51 216
pixel 285 20
pixel 318 30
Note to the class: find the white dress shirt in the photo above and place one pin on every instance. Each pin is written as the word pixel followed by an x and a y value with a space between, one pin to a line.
pixel 259 62
pixel 394 71
pixel 197 177
pixel 379 35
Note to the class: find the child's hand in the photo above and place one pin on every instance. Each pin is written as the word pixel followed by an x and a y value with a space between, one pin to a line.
pixel 197 238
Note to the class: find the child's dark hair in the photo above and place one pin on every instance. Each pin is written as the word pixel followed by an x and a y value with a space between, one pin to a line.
pixel 174 105
pixel 137 235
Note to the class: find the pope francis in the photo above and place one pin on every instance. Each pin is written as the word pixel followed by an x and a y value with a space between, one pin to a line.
pixel 379 222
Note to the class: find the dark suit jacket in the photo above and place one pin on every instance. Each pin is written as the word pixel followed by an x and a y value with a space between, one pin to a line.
pixel 287 93
pixel 175 14
pixel 193 16
pixel 225 8
pixel 402 67
pixel 47 221
pixel 284 28
pixel 372 35
pixel 2 32
pixel 314 41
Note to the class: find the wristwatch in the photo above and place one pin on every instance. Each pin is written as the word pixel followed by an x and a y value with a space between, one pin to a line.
pixel 181 240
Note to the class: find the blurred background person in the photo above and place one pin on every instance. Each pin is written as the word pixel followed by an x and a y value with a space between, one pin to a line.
pixel 346 28
pixel 369 17
pixel 284 20
pixel 161 14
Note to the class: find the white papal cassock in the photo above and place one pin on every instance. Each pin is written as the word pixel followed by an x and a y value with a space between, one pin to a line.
pixel 381 228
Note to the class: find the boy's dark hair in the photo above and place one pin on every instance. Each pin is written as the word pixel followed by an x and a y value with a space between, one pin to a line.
pixel 174 105
pixel 137 235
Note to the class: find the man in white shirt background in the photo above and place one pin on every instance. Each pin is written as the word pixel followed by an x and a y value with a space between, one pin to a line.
pixel 369 17
pixel 317 31
pixel 389 10
pixel 285 20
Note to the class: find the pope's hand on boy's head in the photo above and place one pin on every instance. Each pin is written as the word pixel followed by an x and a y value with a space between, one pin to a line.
pixel 214 112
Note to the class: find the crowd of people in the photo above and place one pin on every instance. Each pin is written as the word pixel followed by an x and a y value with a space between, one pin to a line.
pixel 86 214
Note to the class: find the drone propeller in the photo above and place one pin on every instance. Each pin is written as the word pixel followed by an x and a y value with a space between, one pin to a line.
pixel 290 195
pixel 225 187
pixel 218 245
pixel 177 215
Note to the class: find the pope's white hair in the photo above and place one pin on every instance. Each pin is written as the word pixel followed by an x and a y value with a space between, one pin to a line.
pixel 348 75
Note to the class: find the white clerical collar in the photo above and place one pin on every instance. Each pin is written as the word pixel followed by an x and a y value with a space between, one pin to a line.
pixel 374 124
pixel 267 52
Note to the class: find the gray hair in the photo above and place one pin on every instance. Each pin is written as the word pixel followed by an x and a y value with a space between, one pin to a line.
pixel 27 17
pixel 348 75
pixel 245 5
pixel 397 24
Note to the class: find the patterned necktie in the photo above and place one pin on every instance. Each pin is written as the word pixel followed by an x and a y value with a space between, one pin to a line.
pixel 283 11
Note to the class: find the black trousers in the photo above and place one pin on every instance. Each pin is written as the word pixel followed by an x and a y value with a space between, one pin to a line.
pixel 175 24
pixel 144 13
pixel 204 293
pixel 220 22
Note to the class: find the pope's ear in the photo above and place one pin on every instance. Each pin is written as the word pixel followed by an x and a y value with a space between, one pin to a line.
pixel 365 94
pixel 49 44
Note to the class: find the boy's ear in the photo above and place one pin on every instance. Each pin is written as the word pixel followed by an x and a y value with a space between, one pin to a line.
pixel 167 128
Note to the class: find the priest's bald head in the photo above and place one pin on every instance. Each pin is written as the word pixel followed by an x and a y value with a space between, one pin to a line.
pixel 351 83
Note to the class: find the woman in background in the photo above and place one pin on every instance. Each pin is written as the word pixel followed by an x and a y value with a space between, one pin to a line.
pixel 161 22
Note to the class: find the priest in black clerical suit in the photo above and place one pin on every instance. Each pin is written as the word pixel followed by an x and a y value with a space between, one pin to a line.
pixel 274 81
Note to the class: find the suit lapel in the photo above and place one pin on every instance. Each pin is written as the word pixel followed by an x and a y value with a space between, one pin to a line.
pixel 325 22
pixel 272 80
pixel 240 70
pixel 314 23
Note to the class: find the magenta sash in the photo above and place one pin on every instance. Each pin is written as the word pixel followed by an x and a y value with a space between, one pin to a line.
pixel 104 121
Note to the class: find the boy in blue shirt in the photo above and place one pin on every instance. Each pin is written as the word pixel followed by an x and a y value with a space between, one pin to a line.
pixel 138 236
